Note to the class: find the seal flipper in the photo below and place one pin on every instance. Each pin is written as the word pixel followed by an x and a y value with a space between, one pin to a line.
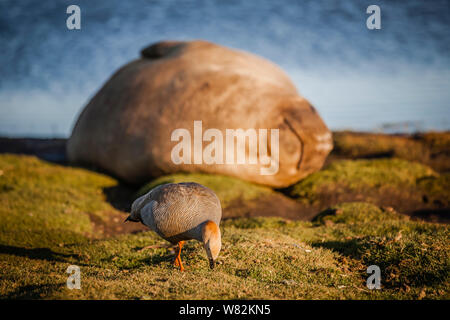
pixel 161 49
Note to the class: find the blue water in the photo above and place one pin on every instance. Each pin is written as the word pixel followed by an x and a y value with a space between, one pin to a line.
pixel 393 79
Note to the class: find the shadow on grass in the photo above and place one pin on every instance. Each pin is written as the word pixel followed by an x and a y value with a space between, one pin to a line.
pixel 432 215
pixel 417 271
pixel 121 196
pixel 33 291
pixel 156 259
pixel 36 253
pixel 168 255
pixel 351 248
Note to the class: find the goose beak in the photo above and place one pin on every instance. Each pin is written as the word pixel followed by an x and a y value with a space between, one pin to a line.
pixel 127 219
pixel 211 263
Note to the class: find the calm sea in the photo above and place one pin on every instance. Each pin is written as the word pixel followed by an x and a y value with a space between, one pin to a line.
pixel 393 79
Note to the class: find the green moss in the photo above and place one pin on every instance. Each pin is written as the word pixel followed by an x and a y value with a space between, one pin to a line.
pixel 436 189
pixel 357 174
pixel 261 258
pixel 431 148
pixel 228 189
pixel 415 260
pixel 387 182
pixel 360 145
pixel 46 204
pixel 357 212
pixel 257 222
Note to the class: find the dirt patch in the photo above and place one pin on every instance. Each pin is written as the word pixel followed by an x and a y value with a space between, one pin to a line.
pixel 275 205
pixel 405 201
pixel 112 223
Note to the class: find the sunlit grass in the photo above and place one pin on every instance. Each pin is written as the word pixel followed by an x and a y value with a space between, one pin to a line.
pixel 46 213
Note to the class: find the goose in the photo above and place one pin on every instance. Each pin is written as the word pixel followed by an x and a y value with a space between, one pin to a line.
pixel 178 212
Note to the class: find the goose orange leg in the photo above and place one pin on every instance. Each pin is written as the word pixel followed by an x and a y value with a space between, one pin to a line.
pixel 177 261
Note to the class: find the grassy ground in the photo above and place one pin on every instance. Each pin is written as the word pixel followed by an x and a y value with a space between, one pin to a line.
pixel 429 148
pixel 55 216
pixel 408 187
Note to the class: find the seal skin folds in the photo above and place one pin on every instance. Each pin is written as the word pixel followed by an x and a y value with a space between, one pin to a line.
pixel 126 128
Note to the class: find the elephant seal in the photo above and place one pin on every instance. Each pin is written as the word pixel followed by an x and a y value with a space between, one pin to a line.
pixel 174 109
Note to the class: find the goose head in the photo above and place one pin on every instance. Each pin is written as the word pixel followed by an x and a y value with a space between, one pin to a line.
pixel 212 241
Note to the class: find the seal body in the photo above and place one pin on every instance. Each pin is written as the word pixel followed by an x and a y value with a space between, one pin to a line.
pixel 127 128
